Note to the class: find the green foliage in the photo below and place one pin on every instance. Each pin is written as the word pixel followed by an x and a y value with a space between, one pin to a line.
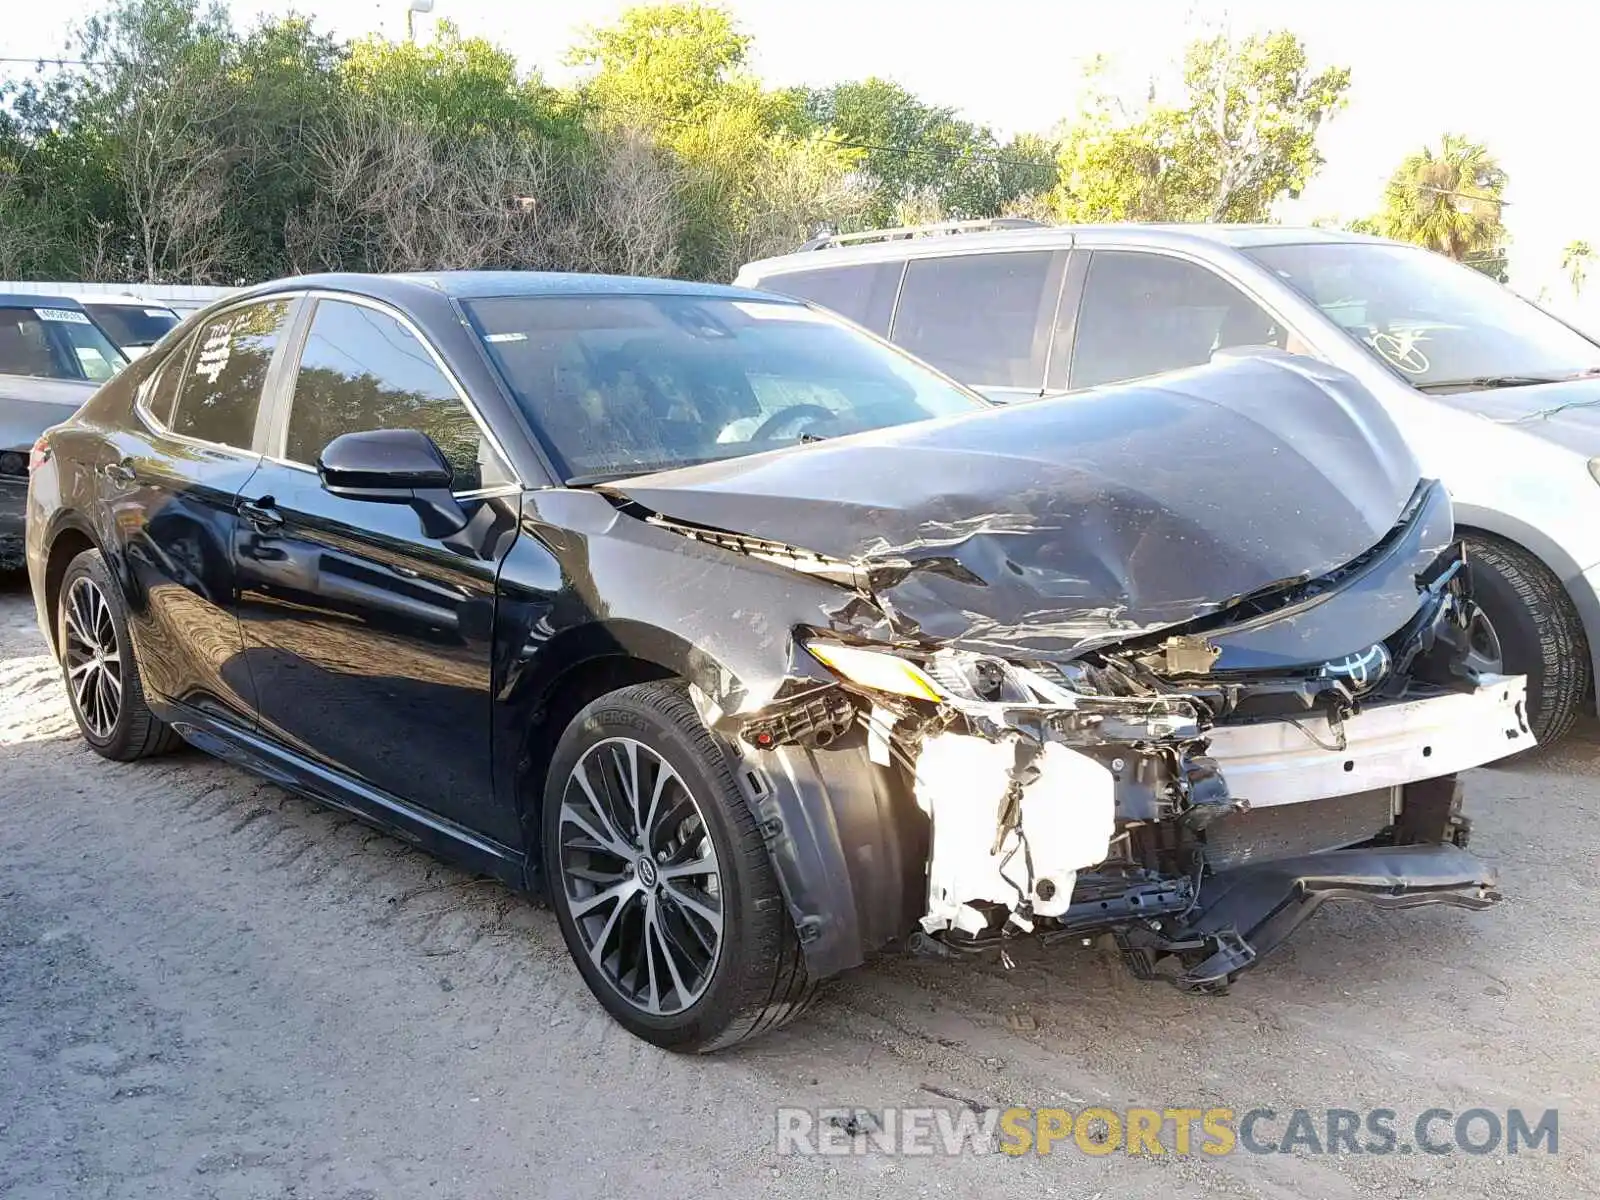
pixel 919 156
pixel 1448 198
pixel 1242 135
pixel 192 151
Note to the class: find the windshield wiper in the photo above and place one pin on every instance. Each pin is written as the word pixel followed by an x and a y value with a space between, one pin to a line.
pixel 1490 381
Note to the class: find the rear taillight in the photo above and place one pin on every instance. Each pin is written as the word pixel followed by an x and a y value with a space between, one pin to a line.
pixel 39 455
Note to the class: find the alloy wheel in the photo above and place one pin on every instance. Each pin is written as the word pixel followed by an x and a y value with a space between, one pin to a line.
pixel 93 658
pixel 640 876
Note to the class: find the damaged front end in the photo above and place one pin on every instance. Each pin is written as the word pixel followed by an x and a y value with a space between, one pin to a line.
pixel 1185 791
pixel 1104 690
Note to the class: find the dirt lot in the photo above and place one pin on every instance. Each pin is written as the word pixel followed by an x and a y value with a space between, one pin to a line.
pixel 211 988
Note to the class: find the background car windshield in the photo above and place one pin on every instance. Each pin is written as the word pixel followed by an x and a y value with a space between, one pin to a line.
pixel 132 326
pixel 624 385
pixel 55 343
pixel 1436 323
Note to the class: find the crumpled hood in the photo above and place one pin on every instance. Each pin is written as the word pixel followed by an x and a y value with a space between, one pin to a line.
pixel 29 406
pixel 1566 413
pixel 1059 523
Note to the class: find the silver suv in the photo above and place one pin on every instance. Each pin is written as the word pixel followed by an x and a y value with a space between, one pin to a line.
pixel 1498 398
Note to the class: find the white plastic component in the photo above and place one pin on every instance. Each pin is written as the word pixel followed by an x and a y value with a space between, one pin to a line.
pixel 1067 822
pixel 1384 745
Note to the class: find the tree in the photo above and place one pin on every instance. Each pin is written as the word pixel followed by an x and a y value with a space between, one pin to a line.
pixel 663 65
pixel 1448 198
pixel 921 159
pixel 1241 135
pixel 1575 260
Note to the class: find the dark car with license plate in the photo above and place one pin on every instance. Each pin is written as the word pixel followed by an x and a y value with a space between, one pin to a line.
pixel 757 646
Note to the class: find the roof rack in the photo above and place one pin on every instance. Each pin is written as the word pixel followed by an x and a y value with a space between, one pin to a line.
pixel 939 229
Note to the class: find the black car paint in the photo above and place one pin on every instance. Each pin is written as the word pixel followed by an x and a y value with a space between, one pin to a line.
pixel 492 631
pixel 1042 529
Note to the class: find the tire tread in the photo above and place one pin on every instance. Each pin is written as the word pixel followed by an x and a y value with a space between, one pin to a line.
pixel 1558 690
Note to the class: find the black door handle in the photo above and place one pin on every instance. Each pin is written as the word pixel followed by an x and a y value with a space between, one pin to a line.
pixel 261 513
pixel 119 472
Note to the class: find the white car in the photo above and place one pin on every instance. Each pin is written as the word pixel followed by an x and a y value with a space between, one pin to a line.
pixel 1499 399
pixel 133 324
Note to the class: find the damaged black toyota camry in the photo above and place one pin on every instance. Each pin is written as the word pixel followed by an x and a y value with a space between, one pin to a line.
pixel 758 647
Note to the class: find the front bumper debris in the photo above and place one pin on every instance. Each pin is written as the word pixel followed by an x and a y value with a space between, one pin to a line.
pixel 1243 914
pixel 1383 745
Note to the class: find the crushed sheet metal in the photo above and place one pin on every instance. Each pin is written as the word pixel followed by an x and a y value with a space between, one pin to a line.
pixel 1067 821
pixel 1044 527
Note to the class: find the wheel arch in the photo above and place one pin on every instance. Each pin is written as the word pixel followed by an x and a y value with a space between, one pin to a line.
pixel 70 538
pixel 1470 519
pixel 844 834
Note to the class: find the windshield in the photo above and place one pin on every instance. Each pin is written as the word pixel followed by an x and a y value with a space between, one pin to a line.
pixel 55 343
pixel 1437 324
pixel 622 385
pixel 132 326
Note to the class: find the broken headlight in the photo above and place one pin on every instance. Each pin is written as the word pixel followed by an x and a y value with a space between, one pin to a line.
pixel 979 677
pixel 875 670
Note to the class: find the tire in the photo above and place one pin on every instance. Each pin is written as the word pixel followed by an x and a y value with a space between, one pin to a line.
pixel 1539 631
pixel 90 613
pixel 754 978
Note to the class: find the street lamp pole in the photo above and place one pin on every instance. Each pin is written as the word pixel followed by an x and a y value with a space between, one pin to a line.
pixel 413 7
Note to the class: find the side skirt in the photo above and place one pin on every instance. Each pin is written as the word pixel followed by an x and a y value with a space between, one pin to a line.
pixel 437 835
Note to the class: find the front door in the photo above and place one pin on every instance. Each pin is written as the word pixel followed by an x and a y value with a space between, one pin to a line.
pixel 369 640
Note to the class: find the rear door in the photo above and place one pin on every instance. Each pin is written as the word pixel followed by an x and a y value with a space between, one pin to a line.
pixel 369 640
pixel 171 484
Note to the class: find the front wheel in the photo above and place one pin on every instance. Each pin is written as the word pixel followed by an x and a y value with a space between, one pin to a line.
pixel 661 883
pixel 97 663
pixel 1538 629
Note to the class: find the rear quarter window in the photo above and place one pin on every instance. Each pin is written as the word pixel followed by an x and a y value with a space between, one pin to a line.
pixel 863 293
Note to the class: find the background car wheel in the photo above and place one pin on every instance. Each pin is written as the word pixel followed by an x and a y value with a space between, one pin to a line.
pixel 660 880
pixel 97 663
pixel 1539 631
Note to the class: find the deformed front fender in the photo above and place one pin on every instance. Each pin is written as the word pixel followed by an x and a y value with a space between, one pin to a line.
pixel 847 841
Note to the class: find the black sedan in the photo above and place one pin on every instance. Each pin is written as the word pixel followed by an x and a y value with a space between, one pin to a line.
pixel 758 646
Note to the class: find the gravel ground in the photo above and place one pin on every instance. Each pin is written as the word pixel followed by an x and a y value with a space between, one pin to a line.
pixel 211 988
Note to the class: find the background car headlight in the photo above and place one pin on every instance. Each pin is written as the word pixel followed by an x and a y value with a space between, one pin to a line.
pixel 1594 469
pixel 875 670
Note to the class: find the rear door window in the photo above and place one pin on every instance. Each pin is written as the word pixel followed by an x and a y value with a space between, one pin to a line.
pixel 863 293
pixel 1146 313
pixel 983 319
pixel 221 389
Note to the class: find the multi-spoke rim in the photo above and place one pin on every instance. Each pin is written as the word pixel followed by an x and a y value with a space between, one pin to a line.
pixel 640 876
pixel 94 661
pixel 1484 655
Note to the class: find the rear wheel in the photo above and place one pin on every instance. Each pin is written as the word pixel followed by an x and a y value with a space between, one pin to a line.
pixel 97 663
pixel 660 880
pixel 1538 629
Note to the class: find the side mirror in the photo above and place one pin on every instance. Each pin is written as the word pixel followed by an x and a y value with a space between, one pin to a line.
pixel 393 466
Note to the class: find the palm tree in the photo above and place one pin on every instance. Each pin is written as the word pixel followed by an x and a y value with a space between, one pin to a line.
pixel 1447 198
pixel 1575 261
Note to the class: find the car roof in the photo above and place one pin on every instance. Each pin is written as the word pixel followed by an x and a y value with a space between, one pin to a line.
pixel 1049 237
pixel 121 300
pixel 475 285
pixel 34 300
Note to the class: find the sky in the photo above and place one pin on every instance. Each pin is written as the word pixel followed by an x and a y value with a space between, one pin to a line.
pixel 1518 77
